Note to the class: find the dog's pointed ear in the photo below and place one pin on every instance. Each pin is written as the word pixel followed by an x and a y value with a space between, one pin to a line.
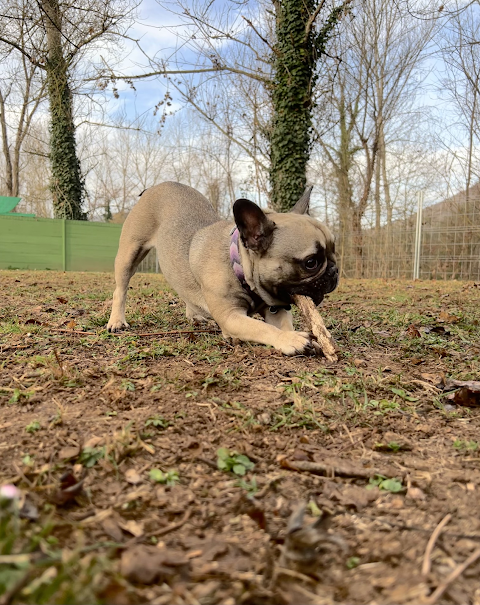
pixel 256 229
pixel 303 204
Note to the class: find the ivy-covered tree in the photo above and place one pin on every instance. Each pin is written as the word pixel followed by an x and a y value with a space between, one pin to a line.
pixel 301 38
pixel 58 34
pixel 267 53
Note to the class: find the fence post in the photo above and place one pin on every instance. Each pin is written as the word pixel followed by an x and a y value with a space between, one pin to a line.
pixel 64 244
pixel 418 237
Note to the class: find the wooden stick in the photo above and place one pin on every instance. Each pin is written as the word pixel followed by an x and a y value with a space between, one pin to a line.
pixel 427 563
pixel 169 332
pixel 316 326
pixel 457 572
pixel 338 468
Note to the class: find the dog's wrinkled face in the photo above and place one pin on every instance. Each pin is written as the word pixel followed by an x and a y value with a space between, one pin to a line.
pixel 291 253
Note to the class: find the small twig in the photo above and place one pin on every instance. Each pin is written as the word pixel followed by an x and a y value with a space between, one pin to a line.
pixel 427 562
pixel 172 527
pixel 20 472
pixel 339 469
pixel 263 492
pixel 167 333
pixel 72 331
pixel 211 331
pixel 208 462
pixel 59 361
pixel 456 573
pixel 285 571
pixel 426 385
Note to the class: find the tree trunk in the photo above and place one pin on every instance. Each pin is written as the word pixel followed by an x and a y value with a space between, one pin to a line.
pixel 67 186
pixel 296 52
pixel 6 148
pixel 357 243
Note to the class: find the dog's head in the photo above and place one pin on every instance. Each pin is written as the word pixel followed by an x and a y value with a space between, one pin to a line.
pixel 289 253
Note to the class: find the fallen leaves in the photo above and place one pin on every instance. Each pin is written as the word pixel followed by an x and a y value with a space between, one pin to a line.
pixel 133 477
pixel 145 564
pixel 70 488
pixel 466 394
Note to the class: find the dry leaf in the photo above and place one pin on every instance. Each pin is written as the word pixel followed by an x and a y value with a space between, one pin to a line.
pixel 132 527
pixel 415 493
pixel 68 452
pixel 132 476
pixel 413 331
pixel 93 442
pixel 438 380
pixel 98 517
pixel 147 564
pixel 467 395
pixel 112 529
pixel 448 318
pixel 70 488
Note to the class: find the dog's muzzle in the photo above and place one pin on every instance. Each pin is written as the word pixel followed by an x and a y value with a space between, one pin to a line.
pixel 324 284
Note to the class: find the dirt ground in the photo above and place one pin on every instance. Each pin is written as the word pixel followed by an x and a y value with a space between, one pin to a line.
pixel 168 467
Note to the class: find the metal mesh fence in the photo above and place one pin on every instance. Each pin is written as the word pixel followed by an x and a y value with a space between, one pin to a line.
pixel 449 245
pixel 149 264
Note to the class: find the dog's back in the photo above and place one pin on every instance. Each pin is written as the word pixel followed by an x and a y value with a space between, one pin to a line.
pixel 166 217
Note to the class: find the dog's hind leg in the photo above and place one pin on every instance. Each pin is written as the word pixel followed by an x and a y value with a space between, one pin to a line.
pixel 129 255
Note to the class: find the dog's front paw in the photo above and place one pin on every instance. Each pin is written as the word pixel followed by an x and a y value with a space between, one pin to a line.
pixel 116 325
pixel 295 343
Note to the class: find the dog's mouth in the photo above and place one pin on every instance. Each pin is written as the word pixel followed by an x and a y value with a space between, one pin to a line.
pixel 315 288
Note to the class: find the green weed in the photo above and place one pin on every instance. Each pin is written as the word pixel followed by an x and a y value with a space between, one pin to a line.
pixel 169 478
pixel 234 462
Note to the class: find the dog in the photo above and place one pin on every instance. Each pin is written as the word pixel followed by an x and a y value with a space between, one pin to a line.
pixel 228 271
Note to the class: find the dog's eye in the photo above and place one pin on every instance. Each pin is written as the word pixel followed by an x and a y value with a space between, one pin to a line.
pixel 311 263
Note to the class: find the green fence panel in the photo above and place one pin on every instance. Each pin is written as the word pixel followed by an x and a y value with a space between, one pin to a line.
pixel 29 243
pixel 35 243
pixel 91 246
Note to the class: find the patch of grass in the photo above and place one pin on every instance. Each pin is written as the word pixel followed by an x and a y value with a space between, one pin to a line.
pixel 91 455
pixel 465 446
pixel 33 427
pixel 158 422
pixel 28 460
pixel 20 396
pixel 250 487
pixel 54 577
pixel 127 385
pixel 237 409
pixel 292 416
pixel 403 394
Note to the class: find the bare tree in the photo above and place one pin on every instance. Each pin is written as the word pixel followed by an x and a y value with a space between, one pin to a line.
pixel 21 91
pixel 372 91
pixel 460 50
pixel 274 44
pixel 56 36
